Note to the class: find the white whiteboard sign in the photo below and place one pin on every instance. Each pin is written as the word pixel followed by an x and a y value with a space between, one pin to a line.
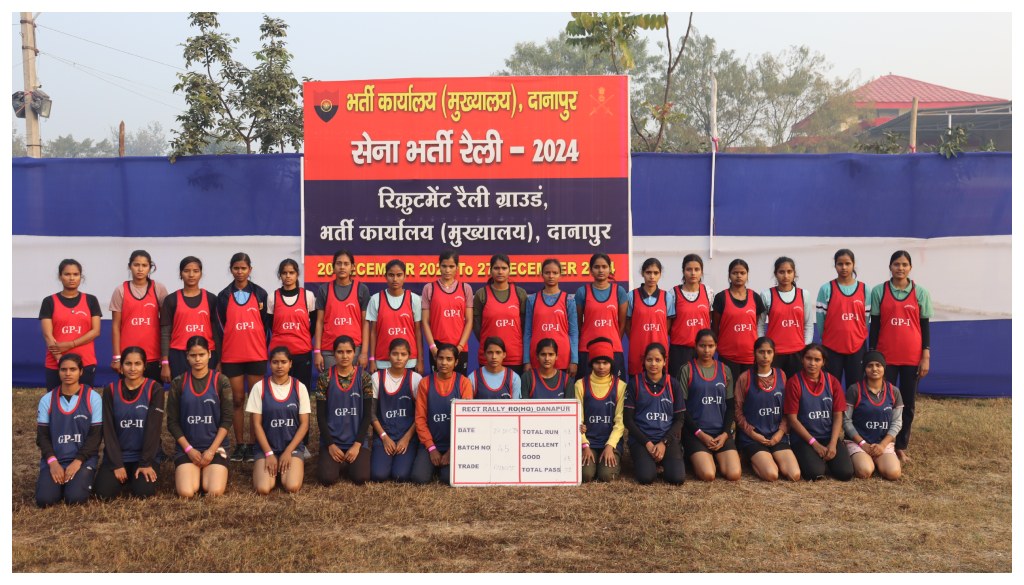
pixel 515 442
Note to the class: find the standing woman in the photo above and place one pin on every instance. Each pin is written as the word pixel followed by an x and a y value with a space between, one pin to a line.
pixel 762 432
pixel 292 312
pixel 279 405
pixel 602 399
pixel 68 431
pixel 394 313
pixel 186 313
pixel 343 417
pixel 654 412
pixel 648 316
pixel 693 311
pixel 70 321
pixel 707 388
pixel 842 317
pixel 133 414
pixel 199 416
pixel 433 416
pixel 393 417
pixel 135 314
pixel 734 318
pixel 493 381
pixel 900 311
pixel 448 311
pixel 551 313
pixel 340 310
pixel 873 418
pixel 814 406
pixel 499 310
pixel 242 311
pixel 790 317
pixel 602 306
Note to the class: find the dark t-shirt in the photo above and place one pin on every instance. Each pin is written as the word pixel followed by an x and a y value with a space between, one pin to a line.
pixel 46 309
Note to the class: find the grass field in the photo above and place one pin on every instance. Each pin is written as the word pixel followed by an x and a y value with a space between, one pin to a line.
pixel 950 512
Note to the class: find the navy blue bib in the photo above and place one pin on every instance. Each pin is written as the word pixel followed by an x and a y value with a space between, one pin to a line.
pixel 816 411
pixel 344 410
pixel 396 412
pixel 540 388
pixel 872 420
pixel 599 413
pixel 763 408
pixel 199 413
pixel 439 409
pixel 705 399
pixel 130 419
pixel 654 412
pixel 68 429
pixel 280 418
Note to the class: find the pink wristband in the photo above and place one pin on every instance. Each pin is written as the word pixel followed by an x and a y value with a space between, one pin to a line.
pixel 585 446
pixel 431 449
pixel 316 351
pixel 862 441
pixel 187 449
pixel 165 363
pixel 812 441
pixel 268 454
pixel 51 459
pixel 383 434
pixel 697 433
pixel 371 359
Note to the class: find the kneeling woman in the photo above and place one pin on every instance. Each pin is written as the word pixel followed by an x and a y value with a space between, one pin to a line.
pixel 761 430
pixel 344 418
pixel 433 415
pixel 814 406
pixel 68 432
pixel 199 416
pixel 492 380
pixel 393 416
pixel 280 420
pixel 601 396
pixel 654 412
pixel 873 419
pixel 133 414
pixel 710 408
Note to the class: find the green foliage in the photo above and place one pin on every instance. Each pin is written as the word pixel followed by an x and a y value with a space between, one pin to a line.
pixel 953 142
pixel 18 147
pixel 612 32
pixel 891 143
pixel 68 147
pixel 229 103
pixel 990 146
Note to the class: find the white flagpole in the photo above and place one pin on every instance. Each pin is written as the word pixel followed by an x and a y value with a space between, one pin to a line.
pixel 714 152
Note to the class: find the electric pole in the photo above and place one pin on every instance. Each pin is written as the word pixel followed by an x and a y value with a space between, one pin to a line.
pixel 28 52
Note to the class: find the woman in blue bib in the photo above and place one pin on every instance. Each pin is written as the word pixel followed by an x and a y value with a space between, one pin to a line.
pixel 762 433
pixel 814 406
pixel 68 432
pixel 493 380
pixel 873 419
pixel 544 381
pixel 393 416
pixel 654 411
pixel 710 407
pixel 199 417
pixel 344 418
pixel 433 416
pixel 602 397
pixel 133 415
pixel 279 405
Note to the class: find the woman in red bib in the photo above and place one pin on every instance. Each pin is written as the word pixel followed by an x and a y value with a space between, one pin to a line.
pixel 551 314
pixel 70 321
pixel 499 310
pixel 693 312
pixel 900 312
pixel 448 311
pixel 340 310
pixel 734 317
pixel 135 313
pixel 242 311
pixel 601 307
pixel 292 313
pixel 842 317
pixel 394 313
pixel 187 312
pixel 790 317
pixel 648 316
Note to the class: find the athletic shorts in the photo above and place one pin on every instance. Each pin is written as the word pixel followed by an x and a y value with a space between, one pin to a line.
pixel 220 458
pixel 259 454
pixel 853 448
pixel 692 444
pixel 252 369
pixel 750 449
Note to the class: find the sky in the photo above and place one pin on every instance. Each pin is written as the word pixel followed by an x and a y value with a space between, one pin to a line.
pixel 101 68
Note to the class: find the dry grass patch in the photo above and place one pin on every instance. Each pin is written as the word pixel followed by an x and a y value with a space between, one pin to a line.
pixel 950 512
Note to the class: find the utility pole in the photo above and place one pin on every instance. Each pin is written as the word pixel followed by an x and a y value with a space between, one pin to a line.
pixel 28 52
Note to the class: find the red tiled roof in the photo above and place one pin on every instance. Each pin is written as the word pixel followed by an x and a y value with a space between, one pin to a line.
pixel 892 89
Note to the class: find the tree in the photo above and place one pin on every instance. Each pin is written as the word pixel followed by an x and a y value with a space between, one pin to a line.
pixel 147 141
pixel 611 32
pixel 229 103
pixel 793 85
pixel 18 147
pixel 68 147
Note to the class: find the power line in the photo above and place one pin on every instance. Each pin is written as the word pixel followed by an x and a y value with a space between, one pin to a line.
pixel 112 48
pixel 74 65
pixel 107 73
